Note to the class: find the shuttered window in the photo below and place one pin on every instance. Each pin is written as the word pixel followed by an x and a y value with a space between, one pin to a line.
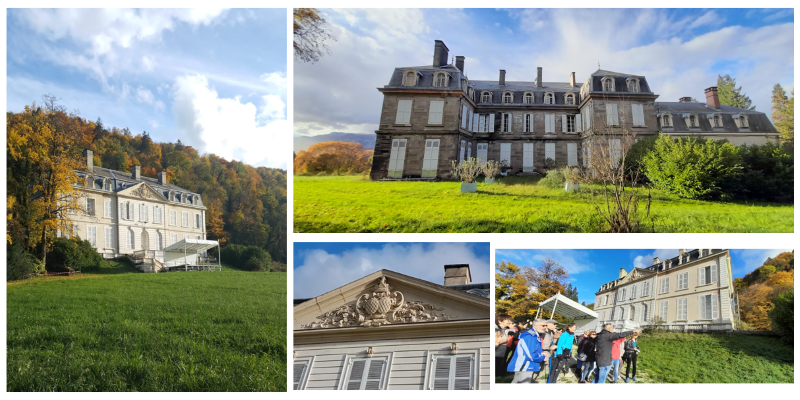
pixel 633 292
pixel 403 112
pixel 435 113
pixel 638 114
pixel 505 122
pixel 366 374
pixel 109 236
pixel 173 238
pixel 682 314
pixel 464 117
pixel 173 219
pixel 91 235
pixel 107 208
pixel 452 372
pixel 664 285
pixel 550 151
pixel 299 371
pixel 572 154
pixel 683 281
pixel 505 153
pixel 130 211
pixel 185 219
pixel 130 239
pixel 90 207
pixel 550 123
pixel 662 310
pixel 157 214
pixel 528 128
pixel 646 288
pixel 612 117
pixel 197 221
pixel 708 307
pixel 706 275
pixel 644 312
pixel 471 121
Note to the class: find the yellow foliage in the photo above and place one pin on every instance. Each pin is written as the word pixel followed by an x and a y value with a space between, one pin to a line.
pixel 755 304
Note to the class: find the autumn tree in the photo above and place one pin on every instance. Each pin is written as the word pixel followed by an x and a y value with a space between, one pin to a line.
pixel 511 290
pixel 333 158
pixel 755 303
pixel 310 35
pixel 730 95
pixel 214 223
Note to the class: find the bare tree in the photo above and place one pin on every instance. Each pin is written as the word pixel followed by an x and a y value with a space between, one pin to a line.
pixel 310 35
pixel 605 151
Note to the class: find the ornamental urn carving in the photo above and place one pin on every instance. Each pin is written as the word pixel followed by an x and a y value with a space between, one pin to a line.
pixel 381 303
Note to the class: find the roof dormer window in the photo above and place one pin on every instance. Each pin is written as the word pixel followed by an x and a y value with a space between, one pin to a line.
pixel 633 84
pixel 666 120
pixel 410 77
pixel 549 98
pixel 716 121
pixel 486 96
pixel 691 120
pixel 508 97
pixel 107 184
pixel 569 99
pixel 440 79
pixel 741 121
pixel 608 84
pixel 528 98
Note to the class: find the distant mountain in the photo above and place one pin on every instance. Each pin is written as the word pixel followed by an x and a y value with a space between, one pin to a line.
pixel 367 140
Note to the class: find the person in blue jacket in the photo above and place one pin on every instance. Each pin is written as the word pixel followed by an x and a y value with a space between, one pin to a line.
pixel 528 354
pixel 562 353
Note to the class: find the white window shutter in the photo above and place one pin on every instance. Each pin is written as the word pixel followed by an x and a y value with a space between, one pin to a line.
pixel 609 117
pixel 464 117
pixel 298 371
pixel 441 374
pixel 510 119
pixel 474 123
pixel 714 306
pixel 563 123
pixel 374 375
pixel 713 273
pixel 530 128
pixel 130 211
pixel 700 308
pixel 491 123
pixel 701 277
pixel 356 375
pixel 578 123
pixel 615 114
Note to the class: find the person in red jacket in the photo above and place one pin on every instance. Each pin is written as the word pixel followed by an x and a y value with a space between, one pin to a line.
pixel 616 353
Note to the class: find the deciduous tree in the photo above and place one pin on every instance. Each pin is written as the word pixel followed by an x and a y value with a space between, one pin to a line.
pixel 310 35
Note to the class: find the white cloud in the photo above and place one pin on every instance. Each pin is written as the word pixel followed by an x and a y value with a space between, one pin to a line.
pixel 322 271
pixel 227 127
pixel 144 95
pixel 159 105
pixel 147 63
pixel 753 258
pixel 646 260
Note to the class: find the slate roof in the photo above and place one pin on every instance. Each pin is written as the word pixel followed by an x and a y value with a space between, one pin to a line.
pixel 620 82
pixel 756 120
pixel 425 77
pixel 124 180
pixel 693 255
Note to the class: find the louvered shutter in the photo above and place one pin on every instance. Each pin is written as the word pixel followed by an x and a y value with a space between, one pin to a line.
pixel 356 374
pixel 701 310
pixel 122 213
pixel 714 306
pixel 474 123
pixel 563 123
pixel 701 277
pixel 435 112
pixel 510 119
pixel 374 375
pixel 530 128
pixel 464 117
pixel 462 377
pixel 491 123
pixel 609 118
pixel 131 211
pixel 578 123
pixel 615 114
pixel 441 377
pixel 297 374
pixel 713 273
pixel 109 232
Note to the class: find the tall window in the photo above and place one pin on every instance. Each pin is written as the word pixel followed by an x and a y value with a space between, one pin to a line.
pixel 403 112
pixel 662 310
pixel 528 123
pixel 486 97
pixel 742 122
pixel 106 184
pixel 90 207
pixel 435 112
pixel 644 312
pixel 683 280
pixel 410 79
pixel 91 235
pixel 365 374
pixel 130 240
pixel 666 121
pixel 570 119
pixel 528 99
pixel 664 285
pixel 505 122
pixel 440 80
pixel 633 85
pixel 682 310
pixel 159 241
pixel 569 99
pixel 706 275
pixel 109 236
pixel 107 208
pixel 549 98
pixel 197 221
pixel 173 238
pixel 612 115
pixel 452 372
pixel 707 306
pixel 173 217
pixel 157 214
pixel 717 121
pixel 608 85
pixel 633 292
pixel 692 121
pixel 507 97
pixel 185 219
pixel 646 288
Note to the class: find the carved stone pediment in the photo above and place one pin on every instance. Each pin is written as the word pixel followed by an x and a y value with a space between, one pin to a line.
pixel 636 274
pixel 143 191
pixel 381 306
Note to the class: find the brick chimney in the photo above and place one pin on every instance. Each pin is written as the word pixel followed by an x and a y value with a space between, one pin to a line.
pixel 656 260
pixel 572 79
pixel 89 159
pixel 162 177
pixel 440 51
pixel 538 76
pixel 137 172
pixel 712 98
pixel 502 77
pixel 622 273
pixel 457 274
pixel 685 100
pixel 460 63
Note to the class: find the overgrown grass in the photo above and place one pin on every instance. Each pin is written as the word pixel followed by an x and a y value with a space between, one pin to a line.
pixel 704 358
pixel 514 204
pixel 122 330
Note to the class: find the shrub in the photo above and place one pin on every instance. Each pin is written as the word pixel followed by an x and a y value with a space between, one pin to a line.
pixel 490 169
pixel 254 264
pixel 466 170
pixel 782 315
pixel 20 263
pixel 73 255
pixel 768 173
pixel 634 157
pixel 742 326
pixel 249 258
pixel 278 267
pixel 554 179
pixel 693 168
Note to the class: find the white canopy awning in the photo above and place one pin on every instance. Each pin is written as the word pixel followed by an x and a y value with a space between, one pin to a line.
pixel 191 246
pixel 565 306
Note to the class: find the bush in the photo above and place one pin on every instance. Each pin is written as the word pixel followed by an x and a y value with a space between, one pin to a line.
pixel 768 173
pixel 693 168
pixel 73 255
pixel 278 267
pixel 742 326
pixel 555 178
pixel 20 263
pixel 782 315
pixel 634 157
pixel 249 258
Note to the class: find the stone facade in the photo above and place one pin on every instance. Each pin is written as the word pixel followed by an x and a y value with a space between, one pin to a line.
pixel 126 212
pixel 433 115
pixel 691 292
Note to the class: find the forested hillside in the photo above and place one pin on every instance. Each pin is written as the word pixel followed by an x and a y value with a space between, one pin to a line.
pixel 246 205
pixel 758 290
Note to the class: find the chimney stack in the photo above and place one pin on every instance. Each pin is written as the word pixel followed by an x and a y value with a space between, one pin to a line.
pixel 460 63
pixel 712 98
pixel 89 159
pixel 502 77
pixel 440 51
pixel 162 177
pixel 622 273
pixel 572 79
pixel 457 274
pixel 137 172
pixel 656 260
pixel 538 76
pixel 685 100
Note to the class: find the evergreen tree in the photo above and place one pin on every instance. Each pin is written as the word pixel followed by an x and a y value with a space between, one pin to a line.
pixel 783 113
pixel 730 95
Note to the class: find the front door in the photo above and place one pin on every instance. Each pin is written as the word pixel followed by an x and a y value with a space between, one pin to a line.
pixel 430 162
pixel 505 154
pixel 483 151
pixel 145 241
pixel 397 158
pixel 527 157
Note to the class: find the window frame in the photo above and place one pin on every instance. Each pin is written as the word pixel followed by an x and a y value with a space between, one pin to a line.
pixel 414 74
pixel 636 86
pixel 685 313
pixel 431 113
pixel 108 239
pixel 441 79
pixel 569 99
pixel 184 219
pixel 484 94
pixel 612 85
pixel 549 98
pixel 528 95
pixel 683 276
pixel 431 355
pixel 508 97
pixel 406 115
pixel 303 381
pixel 664 282
pixel 344 376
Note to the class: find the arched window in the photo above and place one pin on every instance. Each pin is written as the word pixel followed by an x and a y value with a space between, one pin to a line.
pixel 107 184
pixel 549 98
pixel 569 99
pixel 89 181
pixel 666 120
pixel 409 78
pixel 131 243
pixel 508 97
pixel 633 84
pixel 692 121
pixel 159 242
pixel 171 196
pixel 472 93
pixel 717 121
pixel 440 80
pixel 608 84
pixel 486 97
pixel 742 121
pixel 528 98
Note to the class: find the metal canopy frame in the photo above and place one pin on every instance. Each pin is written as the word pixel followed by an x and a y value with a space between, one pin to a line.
pixel 566 307
pixel 194 246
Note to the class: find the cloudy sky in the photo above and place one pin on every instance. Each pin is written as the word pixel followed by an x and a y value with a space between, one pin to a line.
pixel 681 52
pixel 322 267
pixel 213 78
pixel 589 269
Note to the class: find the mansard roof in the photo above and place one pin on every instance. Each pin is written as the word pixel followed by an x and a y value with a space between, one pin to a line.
pixel 693 256
pixel 124 180
pixel 620 82
pixel 426 73
pixel 756 120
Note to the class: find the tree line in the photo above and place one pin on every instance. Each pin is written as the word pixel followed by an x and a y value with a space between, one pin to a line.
pixel 766 295
pixel 333 158
pixel 520 289
pixel 246 205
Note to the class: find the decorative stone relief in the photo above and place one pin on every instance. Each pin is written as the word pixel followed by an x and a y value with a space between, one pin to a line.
pixel 383 306
pixel 143 192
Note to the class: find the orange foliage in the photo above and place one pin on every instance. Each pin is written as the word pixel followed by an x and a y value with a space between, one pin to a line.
pixel 333 158
pixel 755 303
pixel 781 281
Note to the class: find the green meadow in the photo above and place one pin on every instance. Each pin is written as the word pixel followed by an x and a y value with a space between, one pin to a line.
pixel 123 330
pixel 514 204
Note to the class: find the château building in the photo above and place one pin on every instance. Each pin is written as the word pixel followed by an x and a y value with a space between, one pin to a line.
pixel 690 292
pixel 433 114
pixel 389 331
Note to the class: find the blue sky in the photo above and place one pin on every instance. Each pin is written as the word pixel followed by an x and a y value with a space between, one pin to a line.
pixel 680 51
pixel 589 269
pixel 213 78
pixel 321 267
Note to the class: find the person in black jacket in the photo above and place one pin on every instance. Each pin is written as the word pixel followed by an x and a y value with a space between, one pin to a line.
pixel 587 348
pixel 631 354
pixel 499 352
pixel 605 340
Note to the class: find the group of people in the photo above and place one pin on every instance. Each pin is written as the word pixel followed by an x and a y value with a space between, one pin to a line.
pixel 530 348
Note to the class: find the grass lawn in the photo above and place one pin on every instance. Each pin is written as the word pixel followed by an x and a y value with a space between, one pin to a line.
pixel 705 358
pixel 515 204
pixel 122 330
